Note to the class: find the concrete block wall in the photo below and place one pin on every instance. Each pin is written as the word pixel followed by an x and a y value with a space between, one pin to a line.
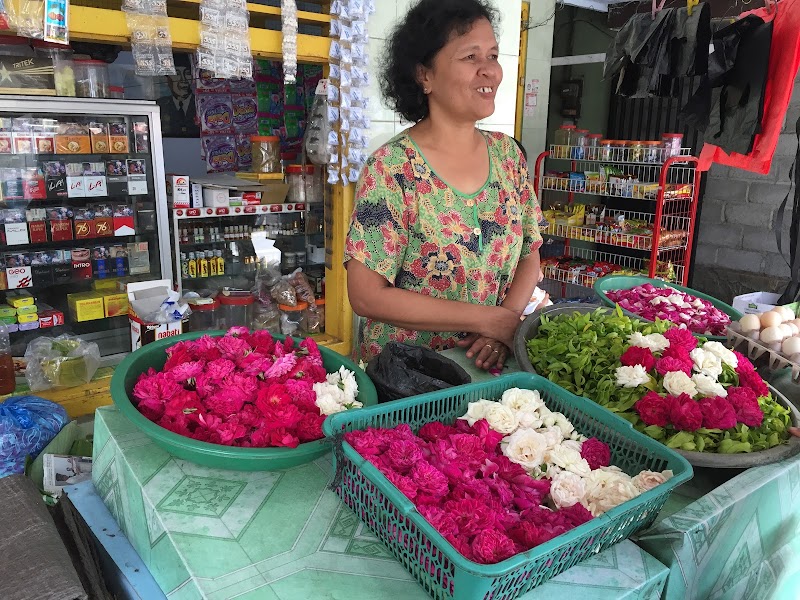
pixel 736 244
pixel 386 124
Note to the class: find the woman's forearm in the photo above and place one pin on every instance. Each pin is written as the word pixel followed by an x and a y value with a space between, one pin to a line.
pixel 525 279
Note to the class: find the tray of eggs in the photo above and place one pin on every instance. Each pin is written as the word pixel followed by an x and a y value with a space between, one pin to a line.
pixel 771 340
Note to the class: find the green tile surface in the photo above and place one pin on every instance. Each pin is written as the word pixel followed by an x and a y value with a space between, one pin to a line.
pixel 218 535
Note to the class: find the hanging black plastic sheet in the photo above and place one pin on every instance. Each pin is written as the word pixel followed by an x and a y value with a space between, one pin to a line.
pixel 792 292
pixel 650 53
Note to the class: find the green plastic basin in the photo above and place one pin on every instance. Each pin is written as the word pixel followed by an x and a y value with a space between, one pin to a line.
pixel 612 283
pixel 215 455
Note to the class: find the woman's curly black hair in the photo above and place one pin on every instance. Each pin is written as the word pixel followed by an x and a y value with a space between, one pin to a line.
pixel 416 40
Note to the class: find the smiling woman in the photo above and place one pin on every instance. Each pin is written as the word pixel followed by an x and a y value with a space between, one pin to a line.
pixel 443 248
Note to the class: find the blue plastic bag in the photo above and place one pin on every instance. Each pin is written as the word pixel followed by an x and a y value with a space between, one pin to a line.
pixel 27 425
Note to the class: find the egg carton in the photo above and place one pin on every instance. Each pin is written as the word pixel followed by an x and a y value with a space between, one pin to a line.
pixel 761 356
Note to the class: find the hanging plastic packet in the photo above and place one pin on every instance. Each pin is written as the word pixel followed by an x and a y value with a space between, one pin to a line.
pixel 56 26
pixel 30 19
pixel 335 72
pixel 244 152
pixel 333 93
pixel 220 153
pixel 216 113
pixel 333 175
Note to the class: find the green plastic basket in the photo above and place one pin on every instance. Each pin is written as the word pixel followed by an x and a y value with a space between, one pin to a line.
pixel 611 283
pixel 215 455
pixel 439 568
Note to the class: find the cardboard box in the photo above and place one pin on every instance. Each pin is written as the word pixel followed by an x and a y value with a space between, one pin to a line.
pixel 196 194
pixel 86 306
pixel 99 136
pixel 756 302
pixel 145 297
pixel 28 318
pixel 18 299
pixel 216 197
pixel 116 304
pixel 50 318
pixel 8 311
pixel 178 191
pixel 37 231
pixel 26 75
pixel 138 258
pixel 28 309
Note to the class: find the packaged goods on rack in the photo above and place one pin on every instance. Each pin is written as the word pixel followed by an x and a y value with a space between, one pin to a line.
pixel 151 41
pixel 224 49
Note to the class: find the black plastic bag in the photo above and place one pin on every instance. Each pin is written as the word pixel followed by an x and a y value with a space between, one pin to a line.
pixel 403 370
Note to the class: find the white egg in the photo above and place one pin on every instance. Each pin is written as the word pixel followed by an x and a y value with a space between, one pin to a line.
pixel 772 335
pixel 786 330
pixel 750 323
pixel 791 346
pixel 771 319
pixel 796 323
pixel 776 347
pixel 795 329
pixel 786 312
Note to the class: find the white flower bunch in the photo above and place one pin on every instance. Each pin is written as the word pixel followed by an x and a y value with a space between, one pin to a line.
pixel 546 444
pixel 337 393
pixel 631 377
pixel 655 341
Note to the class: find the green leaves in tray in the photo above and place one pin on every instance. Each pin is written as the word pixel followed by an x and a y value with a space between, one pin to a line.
pixel 581 352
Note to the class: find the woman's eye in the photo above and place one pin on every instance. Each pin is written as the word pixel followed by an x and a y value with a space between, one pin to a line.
pixel 469 57
pixel 494 57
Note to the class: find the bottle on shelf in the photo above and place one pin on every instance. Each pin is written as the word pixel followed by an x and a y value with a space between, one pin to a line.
pixel 203 264
pixel 220 262
pixel 192 266
pixel 212 263
pixel 8 380
pixel 184 265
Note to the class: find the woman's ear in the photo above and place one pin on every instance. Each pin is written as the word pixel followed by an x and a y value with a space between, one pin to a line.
pixel 423 79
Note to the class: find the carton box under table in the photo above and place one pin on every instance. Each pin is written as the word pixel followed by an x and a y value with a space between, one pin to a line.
pixel 208 533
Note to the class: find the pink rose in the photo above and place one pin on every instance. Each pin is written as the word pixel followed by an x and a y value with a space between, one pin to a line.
pixel 404 454
pixel 669 364
pixel 461 545
pixel 227 401
pixel 491 546
pixel 488 436
pixel 282 438
pixel 281 367
pixel 270 397
pixel 429 479
pixel 470 515
pixel 309 428
pixel 430 432
pixel 685 414
pixel 233 347
pixel 468 448
pixel 576 514
pixel 681 338
pixel 742 362
pixel 219 369
pixel 229 433
pixel 638 356
pixel 596 453
pixel 155 386
pixel 527 535
pixel 262 342
pixel 406 485
pixel 752 380
pixel 717 413
pixel 206 348
pixel 239 331
pixel 440 519
pixel 654 409
pixel 745 404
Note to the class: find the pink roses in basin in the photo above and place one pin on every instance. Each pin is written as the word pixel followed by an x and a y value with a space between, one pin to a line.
pixel 244 389
pixel 494 493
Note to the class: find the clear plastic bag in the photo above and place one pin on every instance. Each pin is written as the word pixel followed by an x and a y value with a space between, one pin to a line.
pixel 64 361
pixel 27 425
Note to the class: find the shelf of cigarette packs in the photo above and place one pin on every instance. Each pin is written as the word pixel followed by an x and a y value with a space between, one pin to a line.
pixel 219 247
pixel 647 207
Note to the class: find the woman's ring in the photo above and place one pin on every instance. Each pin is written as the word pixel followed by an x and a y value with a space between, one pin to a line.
pixel 488 346
pixel 496 351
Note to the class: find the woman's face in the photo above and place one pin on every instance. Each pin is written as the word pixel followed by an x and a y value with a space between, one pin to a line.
pixel 464 76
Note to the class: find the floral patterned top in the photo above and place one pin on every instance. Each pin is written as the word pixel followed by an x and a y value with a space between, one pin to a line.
pixel 422 235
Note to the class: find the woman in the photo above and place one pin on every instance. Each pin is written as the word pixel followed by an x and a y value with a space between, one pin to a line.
pixel 443 248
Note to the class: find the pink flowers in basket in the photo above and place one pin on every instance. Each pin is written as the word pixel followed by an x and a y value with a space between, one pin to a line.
pixel 506 477
pixel 245 389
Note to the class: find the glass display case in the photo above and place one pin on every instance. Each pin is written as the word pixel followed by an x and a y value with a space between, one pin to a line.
pixel 83 207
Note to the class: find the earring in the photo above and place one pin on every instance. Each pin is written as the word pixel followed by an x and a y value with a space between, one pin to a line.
pixel 425 91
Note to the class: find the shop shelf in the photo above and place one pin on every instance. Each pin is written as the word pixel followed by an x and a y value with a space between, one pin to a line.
pixel 616 155
pixel 627 189
pixel 441 570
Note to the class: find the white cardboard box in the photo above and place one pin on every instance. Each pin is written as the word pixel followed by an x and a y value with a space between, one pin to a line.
pixel 756 302
pixel 178 191
pixel 146 296
pixel 216 197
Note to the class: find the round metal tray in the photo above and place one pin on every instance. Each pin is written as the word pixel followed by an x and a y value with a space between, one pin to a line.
pixel 529 329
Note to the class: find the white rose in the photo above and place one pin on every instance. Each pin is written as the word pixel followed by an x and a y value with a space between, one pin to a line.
pixel 721 352
pixel 552 435
pixel 477 411
pixel 567 489
pixel 631 377
pixel 706 386
pixel 568 459
pixel 572 444
pixel 529 419
pixel 655 341
pixel 706 363
pixel 678 382
pixel 520 400
pixel 348 380
pixel 330 389
pixel 647 480
pixel 525 447
pixel 501 418
pixel 606 489
pixel 564 424
pixel 328 405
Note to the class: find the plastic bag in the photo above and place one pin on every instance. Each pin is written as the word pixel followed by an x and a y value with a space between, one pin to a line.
pixel 302 287
pixel 64 361
pixel 403 370
pixel 27 425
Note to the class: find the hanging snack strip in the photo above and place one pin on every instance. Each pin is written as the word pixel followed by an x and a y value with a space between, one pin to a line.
pixel 224 49
pixel 347 90
pixel 289 43
pixel 151 42
pixel 38 19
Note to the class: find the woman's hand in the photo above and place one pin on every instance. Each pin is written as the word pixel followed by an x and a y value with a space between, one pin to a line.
pixel 795 431
pixel 488 352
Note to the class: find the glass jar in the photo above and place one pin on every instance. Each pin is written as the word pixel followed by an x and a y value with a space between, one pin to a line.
pixel 563 141
pixel 579 144
pixel 205 312
pixel 11 45
pixel 91 78
pixel 593 146
pixel 653 152
pixel 293 318
pixel 672 144
pixel 236 310
pixel 635 151
pixel 288 261
pixel 63 68
pixel 266 151
pixel 606 151
pixel 618 150
pixel 117 92
pixel 301 184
